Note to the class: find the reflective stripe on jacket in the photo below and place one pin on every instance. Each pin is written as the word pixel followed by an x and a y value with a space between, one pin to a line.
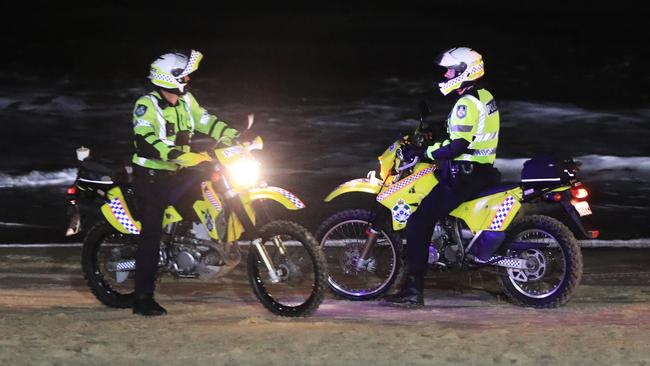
pixel 163 132
pixel 477 121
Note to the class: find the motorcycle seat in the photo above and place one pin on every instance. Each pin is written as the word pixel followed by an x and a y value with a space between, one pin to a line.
pixel 494 189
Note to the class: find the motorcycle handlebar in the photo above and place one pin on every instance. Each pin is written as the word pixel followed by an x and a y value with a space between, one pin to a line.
pixel 412 163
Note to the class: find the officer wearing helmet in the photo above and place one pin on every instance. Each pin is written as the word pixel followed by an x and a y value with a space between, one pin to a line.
pixel 465 157
pixel 164 122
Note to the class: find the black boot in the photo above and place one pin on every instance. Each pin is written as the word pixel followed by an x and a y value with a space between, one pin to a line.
pixel 410 295
pixel 144 304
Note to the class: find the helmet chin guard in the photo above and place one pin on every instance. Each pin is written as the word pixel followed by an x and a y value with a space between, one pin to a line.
pixel 467 63
pixel 168 70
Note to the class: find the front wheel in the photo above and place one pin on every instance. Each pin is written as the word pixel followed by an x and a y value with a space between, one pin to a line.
pixel 296 286
pixel 357 272
pixel 555 263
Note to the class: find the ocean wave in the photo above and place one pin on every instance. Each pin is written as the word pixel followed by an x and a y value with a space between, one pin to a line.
pixel 39 179
pixel 594 165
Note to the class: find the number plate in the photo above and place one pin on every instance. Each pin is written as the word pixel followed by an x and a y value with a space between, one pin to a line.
pixel 582 208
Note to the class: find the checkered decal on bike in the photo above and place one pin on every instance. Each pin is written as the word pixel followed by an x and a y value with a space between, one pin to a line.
pixel 213 200
pixel 295 200
pixel 117 208
pixel 403 183
pixel 502 213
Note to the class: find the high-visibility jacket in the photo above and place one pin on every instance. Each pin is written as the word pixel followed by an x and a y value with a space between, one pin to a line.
pixel 475 118
pixel 163 132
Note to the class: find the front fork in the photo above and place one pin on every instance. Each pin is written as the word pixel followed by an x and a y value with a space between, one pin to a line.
pixel 261 250
pixel 237 205
pixel 373 230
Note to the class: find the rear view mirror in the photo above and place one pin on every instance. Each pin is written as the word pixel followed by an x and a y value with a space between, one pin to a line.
pixel 424 109
pixel 251 119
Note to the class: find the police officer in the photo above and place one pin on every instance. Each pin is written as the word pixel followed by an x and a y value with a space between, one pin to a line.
pixel 164 122
pixel 465 159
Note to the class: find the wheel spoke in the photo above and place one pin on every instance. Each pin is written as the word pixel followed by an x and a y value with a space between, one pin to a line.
pixel 343 245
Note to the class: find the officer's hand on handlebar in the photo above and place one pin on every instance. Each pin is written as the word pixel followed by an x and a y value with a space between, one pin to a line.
pixel 189 159
pixel 229 136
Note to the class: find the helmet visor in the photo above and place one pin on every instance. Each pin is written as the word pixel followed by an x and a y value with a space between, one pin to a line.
pixel 192 64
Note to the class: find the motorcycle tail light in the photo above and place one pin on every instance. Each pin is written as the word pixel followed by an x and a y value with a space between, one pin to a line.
pixel 579 192
pixel 72 191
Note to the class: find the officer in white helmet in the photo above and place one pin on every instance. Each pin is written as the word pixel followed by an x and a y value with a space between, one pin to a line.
pixel 164 122
pixel 465 157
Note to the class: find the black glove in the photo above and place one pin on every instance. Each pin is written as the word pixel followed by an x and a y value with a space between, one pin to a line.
pixel 410 152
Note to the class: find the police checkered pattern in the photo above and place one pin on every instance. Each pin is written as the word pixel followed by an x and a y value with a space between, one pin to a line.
pixel 194 57
pixel 122 217
pixel 165 77
pixel 449 84
pixel 213 200
pixel 502 213
pixel 403 183
pixel 295 200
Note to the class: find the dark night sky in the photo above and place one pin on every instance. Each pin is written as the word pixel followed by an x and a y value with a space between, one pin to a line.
pixel 573 51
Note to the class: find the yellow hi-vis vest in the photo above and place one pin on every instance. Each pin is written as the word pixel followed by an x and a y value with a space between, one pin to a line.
pixel 156 129
pixel 477 121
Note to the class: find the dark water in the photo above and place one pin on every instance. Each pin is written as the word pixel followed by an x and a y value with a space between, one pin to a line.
pixel 331 86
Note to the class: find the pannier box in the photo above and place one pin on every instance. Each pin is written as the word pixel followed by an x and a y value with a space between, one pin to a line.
pixel 546 171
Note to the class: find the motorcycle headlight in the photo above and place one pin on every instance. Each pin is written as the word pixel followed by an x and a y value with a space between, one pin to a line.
pixel 245 172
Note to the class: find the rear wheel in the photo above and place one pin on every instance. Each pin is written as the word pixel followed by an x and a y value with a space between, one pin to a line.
pixel 342 237
pixel 555 267
pixel 103 248
pixel 297 287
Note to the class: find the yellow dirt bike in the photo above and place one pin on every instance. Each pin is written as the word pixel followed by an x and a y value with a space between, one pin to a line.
pixel 286 267
pixel 537 257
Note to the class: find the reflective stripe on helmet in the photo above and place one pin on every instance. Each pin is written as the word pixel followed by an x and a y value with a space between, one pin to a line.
pixel 168 70
pixel 192 63
pixel 472 73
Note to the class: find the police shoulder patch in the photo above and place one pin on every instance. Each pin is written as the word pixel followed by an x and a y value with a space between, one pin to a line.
pixel 140 110
pixel 461 111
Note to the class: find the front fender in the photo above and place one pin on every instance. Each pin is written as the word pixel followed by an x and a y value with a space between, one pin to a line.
pixel 365 185
pixel 284 197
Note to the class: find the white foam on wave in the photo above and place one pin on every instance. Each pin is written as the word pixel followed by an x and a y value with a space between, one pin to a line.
pixel 38 179
pixel 509 168
pixel 591 164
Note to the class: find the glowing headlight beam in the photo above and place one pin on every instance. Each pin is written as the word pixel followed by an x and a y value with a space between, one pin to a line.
pixel 245 172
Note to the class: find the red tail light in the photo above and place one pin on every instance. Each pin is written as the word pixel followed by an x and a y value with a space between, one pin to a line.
pixel 579 193
pixel 72 190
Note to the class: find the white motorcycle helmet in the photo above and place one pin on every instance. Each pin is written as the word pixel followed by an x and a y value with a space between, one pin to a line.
pixel 467 65
pixel 168 70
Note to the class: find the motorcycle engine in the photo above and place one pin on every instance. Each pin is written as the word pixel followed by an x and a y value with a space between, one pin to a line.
pixel 194 256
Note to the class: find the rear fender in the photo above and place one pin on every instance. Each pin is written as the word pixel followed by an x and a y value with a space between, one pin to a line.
pixel 118 214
